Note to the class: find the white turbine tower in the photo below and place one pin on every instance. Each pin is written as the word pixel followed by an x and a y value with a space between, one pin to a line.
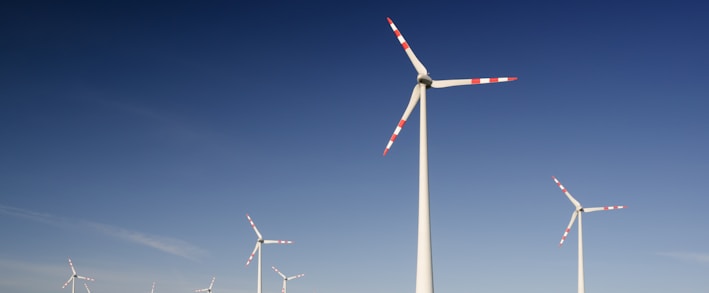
pixel 577 213
pixel 285 279
pixel 260 241
pixel 208 289
pixel 73 278
pixel 424 267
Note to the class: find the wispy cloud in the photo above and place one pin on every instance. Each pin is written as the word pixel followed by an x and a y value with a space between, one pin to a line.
pixel 688 256
pixel 165 244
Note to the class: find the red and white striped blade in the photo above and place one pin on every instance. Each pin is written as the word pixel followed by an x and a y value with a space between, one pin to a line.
pixel 279 272
pixel 71 265
pixel 606 208
pixel 576 203
pixel 254 226
pixel 251 257
pixel 211 284
pixel 295 277
pixel 277 242
pixel 415 96
pixel 87 288
pixel 85 278
pixel 67 282
pixel 568 228
pixel 415 61
pixel 471 81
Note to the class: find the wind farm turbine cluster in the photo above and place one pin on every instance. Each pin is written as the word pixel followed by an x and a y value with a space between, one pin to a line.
pixel 424 267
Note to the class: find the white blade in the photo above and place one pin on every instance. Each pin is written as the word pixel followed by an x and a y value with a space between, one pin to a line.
pixel 251 257
pixel 415 95
pixel 152 290
pixel 87 288
pixel 71 265
pixel 568 228
pixel 295 277
pixel 571 198
pixel 277 242
pixel 279 272
pixel 415 61
pixel 254 226
pixel 211 284
pixel 471 81
pixel 606 208
pixel 85 278
pixel 67 282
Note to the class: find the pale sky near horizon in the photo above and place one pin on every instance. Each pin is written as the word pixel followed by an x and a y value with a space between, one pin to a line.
pixel 135 137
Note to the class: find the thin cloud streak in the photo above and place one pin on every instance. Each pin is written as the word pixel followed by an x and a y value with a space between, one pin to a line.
pixel 165 244
pixel 688 256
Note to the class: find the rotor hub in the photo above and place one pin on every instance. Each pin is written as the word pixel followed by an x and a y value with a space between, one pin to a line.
pixel 425 79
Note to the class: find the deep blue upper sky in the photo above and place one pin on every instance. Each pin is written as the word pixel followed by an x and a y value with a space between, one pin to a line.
pixel 135 137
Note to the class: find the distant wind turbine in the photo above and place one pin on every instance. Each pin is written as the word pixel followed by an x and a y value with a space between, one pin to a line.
pixel 424 266
pixel 208 289
pixel 259 242
pixel 285 279
pixel 73 278
pixel 577 213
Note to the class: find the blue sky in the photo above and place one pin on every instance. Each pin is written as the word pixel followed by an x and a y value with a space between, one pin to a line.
pixel 135 138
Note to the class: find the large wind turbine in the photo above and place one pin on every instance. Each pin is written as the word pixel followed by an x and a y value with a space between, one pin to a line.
pixel 424 267
pixel 259 242
pixel 208 289
pixel 577 213
pixel 285 279
pixel 75 276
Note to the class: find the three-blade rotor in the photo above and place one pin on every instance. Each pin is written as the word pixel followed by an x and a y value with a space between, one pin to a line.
pixel 424 81
pixel 208 289
pixel 579 209
pixel 260 240
pixel 74 275
pixel 285 279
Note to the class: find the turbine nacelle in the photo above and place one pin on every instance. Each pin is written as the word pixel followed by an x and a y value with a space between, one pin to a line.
pixel 425 79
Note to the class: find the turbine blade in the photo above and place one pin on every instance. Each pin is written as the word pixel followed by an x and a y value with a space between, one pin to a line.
pixel 568 228
pixel 254 226
pixel 415 95
pixel 211 284
pixel 201 290
pixel 67 281
pixel 606 208
pixel 252 253
pixel 279 272
pixel 71 265
pixel 152 290
pixel 415 61
pixel 563 189
pixel 85 278
pixel 472 81
pixel 87 288
pixel 295 277
pixel 277 242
